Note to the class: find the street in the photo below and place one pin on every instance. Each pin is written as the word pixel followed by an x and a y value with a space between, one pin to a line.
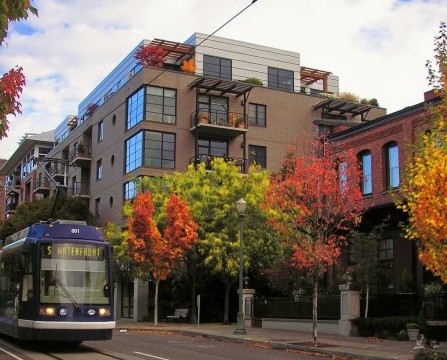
pixel 148 345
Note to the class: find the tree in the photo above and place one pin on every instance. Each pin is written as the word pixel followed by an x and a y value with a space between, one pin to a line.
pixel 149 55
pixel 155 253
pixel 29 213
pixel 12 82
pixel 364 247
pixel 425 176
pixel 212 197
pixel 315 199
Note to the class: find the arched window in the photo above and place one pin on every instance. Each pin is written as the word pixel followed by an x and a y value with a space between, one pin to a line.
pixel 392 165
pixel 366 166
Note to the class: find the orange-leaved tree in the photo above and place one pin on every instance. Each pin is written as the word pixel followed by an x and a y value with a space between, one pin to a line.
pixel 12 82
pixel 314 200
pixel 158 242
pixel 424 185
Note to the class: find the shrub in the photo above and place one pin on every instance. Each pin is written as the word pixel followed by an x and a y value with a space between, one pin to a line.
pixel 429 354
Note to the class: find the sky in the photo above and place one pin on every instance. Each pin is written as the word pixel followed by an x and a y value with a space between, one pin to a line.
pixel 378 48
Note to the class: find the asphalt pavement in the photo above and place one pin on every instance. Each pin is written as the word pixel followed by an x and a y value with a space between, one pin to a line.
pixel 332 345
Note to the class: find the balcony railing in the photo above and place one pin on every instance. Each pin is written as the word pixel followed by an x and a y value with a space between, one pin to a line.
pixel 219 118
pixel 81 152
pixel 79 189
pixel 10 207
pixel 41 185
pixel 208 161
pixel 13 181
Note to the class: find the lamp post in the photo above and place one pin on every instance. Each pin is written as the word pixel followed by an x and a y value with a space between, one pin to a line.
pixel 241 205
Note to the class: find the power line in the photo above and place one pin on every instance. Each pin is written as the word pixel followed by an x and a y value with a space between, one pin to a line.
pixel 215 31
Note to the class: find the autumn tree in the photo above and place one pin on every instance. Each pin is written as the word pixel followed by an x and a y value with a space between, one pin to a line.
pixel 424 185
pixel 157 243
pixel 315 199
pixel 12 82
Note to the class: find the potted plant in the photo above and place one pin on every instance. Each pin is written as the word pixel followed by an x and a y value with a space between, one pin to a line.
pixel 239 122
pixel 80 148
pixel 204 118
pixel 413 331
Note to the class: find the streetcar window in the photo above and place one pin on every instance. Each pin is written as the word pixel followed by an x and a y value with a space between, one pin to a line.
pixel 73 273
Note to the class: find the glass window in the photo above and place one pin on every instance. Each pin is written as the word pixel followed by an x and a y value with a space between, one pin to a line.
pixel 257 114
pixel 212 147
pixel 130 190
pixel 366 166
pixel 74 274
pixel 161 104
pixel 98 207
pixel 134 152
pixel 135 108
pixel 216 107
pixel 217 67
pixel 99 169
pixel 392 165
pixel 280 79
pixel 159 150
pixel 100 131
pixel 257 155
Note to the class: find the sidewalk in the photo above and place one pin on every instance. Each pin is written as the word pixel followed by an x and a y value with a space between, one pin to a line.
pixel 333 345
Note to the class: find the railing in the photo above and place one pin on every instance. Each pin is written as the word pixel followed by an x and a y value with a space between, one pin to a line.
pixel 79 189
pixel 220 118
pixel 83 151
pixel 41 183
pixel 299 308
pixel 10 207
pixel 13 182
pixel 396 305
pixel 208 161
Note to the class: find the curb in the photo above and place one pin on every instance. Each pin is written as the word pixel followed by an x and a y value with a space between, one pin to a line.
pixel 272 344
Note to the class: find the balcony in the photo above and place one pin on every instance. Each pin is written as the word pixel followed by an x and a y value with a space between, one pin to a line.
pixel 208 161
pixel 219 123
pixel 81 155
pixel 79 189
pixel 56 170
pixel 13 182
pixel 41 186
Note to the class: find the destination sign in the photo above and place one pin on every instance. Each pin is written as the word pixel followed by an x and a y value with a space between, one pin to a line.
pixel 73 251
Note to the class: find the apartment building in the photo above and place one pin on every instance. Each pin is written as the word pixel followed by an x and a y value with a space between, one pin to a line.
pixel 151 121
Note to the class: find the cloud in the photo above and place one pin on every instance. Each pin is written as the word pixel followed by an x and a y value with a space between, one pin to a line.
pixel 378 48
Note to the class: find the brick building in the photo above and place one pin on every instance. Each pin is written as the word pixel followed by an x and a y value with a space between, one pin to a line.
pixel 381 147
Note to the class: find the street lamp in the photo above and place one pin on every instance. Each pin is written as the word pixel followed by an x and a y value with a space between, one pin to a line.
pixel 241 205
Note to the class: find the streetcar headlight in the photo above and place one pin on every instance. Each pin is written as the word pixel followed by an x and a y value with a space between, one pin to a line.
pixel 47 311
pixel 104 312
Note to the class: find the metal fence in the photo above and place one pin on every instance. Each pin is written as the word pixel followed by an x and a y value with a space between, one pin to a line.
pixel 393 305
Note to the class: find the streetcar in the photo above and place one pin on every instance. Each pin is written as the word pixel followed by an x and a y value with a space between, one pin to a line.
pixel 55 283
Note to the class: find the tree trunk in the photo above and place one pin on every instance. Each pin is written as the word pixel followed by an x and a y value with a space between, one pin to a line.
pixel 157 282
pixel 315 310
pixel 227 300
pixel 367 301
pixel 194 296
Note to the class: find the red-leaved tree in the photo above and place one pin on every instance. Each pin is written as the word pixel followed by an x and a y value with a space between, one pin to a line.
pixel 149 55
pixel 315 199
pixel 155 254
pixel 12 82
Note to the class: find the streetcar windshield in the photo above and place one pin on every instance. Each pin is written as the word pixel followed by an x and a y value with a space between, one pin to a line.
pixel 74 274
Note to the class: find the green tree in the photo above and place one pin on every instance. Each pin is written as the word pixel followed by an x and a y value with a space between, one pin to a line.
pixel 29 213
pixel 211 197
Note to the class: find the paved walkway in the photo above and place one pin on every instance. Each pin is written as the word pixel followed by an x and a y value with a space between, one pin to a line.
pixel 352 347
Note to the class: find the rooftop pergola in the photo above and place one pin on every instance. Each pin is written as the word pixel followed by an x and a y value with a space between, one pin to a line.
pixel 310 76
pixel 175 51
pixel 221 86
pixel 341 107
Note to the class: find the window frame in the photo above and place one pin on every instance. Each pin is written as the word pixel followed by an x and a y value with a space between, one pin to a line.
pixel 277 79
pixel 257 120
pixel 100 131
pixel 254 159
pixel 367 179
pixel 391 160
pixel 165 116
pixel 218 73
pixel 99 169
